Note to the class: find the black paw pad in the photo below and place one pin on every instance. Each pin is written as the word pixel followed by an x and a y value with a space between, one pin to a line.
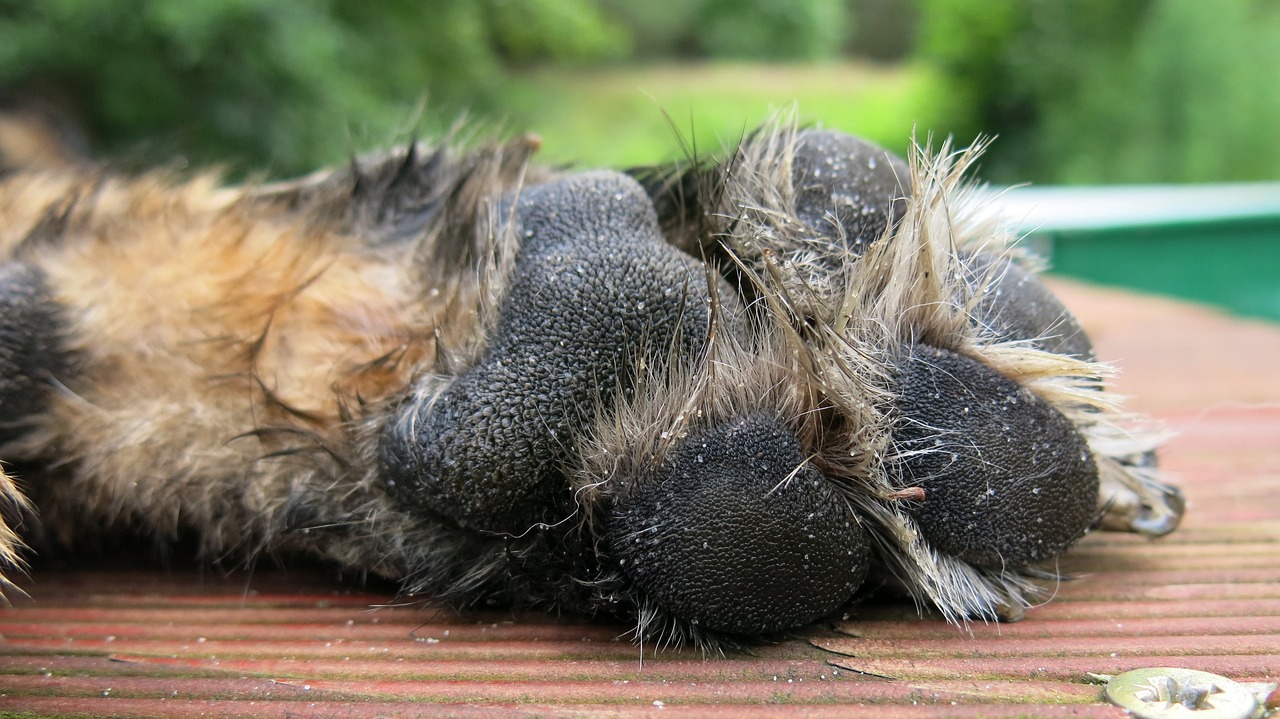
pixel 737 534
pixel 595 292
pixel 1007 480
pixel 1016 305
pixel 31 351
pixel 846 185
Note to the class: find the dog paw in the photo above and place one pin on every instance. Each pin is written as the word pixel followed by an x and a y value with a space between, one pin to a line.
pixel 595 294
pixel 878 386
pixel 905 391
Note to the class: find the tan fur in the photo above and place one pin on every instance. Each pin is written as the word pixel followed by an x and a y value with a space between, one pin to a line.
pixel 29 138
pixel 213 329
pixel 201 303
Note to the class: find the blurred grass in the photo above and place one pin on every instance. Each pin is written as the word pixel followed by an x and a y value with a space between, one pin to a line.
pixel 631 115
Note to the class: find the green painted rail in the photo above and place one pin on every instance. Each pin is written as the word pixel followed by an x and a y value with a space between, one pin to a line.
pixel 1218 244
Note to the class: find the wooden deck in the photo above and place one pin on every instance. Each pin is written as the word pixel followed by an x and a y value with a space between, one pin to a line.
pixel 186 643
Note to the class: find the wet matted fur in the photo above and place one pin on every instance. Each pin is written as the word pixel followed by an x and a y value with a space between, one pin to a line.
pixel 712 397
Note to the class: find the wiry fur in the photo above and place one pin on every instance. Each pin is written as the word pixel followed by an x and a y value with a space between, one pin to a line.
pixel 238 352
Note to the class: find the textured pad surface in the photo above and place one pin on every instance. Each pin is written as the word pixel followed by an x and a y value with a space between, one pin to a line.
pixel 738 534
pixel 596 290
pixel 1016 305
pixel 1008 481
pixel 848 186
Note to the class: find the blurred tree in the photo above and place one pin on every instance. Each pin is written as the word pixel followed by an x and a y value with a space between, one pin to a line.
pixel 562 30
pixel 885 30
pixel 660 29
pixel 1006 59
pixel 1193 98
pixel 772 29
pixel 786 30
pixel 1101 91
pixel 290 83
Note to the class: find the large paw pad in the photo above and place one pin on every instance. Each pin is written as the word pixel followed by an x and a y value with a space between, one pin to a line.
pixel 846 187
pixel 595 291
pixel 735 533
pixel 1007 479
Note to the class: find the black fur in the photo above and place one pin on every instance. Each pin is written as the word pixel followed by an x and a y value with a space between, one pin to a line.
pixel 32 354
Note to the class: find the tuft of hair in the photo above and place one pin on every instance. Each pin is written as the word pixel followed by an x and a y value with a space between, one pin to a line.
pixel 14 506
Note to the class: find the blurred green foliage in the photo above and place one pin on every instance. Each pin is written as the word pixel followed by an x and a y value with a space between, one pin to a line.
pixel 297 83
pixel 785 30
pixel 1195 97
pixel 1104 91
pixel 657 112
pixel 290 83
pixel 772 29
pixel 1076 90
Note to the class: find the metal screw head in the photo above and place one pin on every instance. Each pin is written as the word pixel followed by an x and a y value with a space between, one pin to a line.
pixel 1163 693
